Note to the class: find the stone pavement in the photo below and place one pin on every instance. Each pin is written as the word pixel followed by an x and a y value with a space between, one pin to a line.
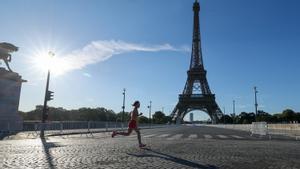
pixel 183 151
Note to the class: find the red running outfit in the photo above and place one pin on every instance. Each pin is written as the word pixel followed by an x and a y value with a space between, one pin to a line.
pixel 132 124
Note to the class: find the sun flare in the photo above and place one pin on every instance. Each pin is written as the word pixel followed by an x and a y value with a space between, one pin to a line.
pixel 45 60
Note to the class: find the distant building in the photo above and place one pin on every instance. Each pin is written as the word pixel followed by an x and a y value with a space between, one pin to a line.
pixel 191 117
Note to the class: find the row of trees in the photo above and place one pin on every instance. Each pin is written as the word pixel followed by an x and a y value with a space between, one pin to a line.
pixel 89 114
pixel 287 116
pixel 102 114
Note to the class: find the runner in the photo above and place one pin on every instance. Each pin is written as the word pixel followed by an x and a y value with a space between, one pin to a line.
pixel 132 125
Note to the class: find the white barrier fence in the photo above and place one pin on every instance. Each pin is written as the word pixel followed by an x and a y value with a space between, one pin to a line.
pixel 262 128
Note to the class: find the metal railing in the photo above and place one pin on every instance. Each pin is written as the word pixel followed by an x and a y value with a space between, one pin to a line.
pixel 69 127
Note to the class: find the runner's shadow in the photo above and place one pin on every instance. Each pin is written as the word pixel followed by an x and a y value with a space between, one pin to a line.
pixel 46 147
pixel 172 158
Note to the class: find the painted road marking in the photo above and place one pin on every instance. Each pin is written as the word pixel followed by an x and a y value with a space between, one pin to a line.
pixel 151 135
pixel 238 137
pixel 163 135
pixel 175 137
pixel 207 136
pixel 192 136
pixel 222 136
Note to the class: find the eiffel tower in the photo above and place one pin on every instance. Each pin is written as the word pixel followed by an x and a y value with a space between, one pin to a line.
pixel 196 94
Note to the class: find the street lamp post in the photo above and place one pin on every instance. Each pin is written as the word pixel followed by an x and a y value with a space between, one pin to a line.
pixel 150 113
pixel 224 115
pixel 48 97
pixel 123 107
pixel 255 99
pixel 233 107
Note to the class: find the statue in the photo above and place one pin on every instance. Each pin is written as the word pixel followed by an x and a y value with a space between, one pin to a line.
pixel 10 89
pixel 5 50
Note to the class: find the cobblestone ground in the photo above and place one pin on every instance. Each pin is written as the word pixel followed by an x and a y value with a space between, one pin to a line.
pixel 102 151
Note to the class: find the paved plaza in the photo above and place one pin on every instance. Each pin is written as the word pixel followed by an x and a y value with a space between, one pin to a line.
pixel 175 147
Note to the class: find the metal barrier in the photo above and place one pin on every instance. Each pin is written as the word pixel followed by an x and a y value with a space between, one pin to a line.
pixel 33 128
pixel 260 128
pixel 7 127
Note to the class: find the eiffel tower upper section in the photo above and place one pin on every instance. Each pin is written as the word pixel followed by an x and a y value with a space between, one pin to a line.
pixel 196 59
pixel 196 74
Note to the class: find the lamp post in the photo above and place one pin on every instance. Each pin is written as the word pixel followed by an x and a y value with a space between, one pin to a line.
pixel 224 115
pixel 233 107
pixel 255 99
pixel 150 105
pixel 123 107
pixel 48 97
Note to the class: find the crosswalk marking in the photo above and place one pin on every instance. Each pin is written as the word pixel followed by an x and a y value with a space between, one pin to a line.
pixel 187 137
pixel 192 136
pixel 175 137
pixel 207 136
pixel 234 136
pixel 222 136
pixel 163 135
pixel 151 135
pixel 132 135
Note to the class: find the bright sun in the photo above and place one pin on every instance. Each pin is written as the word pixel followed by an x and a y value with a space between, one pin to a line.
pixel 49 60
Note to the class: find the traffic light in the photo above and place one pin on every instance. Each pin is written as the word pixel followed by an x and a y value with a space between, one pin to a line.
pixel 49 95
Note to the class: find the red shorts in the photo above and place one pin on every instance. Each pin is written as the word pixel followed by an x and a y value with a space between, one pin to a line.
pixel 132 124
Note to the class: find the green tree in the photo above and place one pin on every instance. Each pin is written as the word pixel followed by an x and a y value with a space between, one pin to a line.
pixel 143 119
pixel 126 116
pixel 235 118
pixel 82 114
pixel 263 116
pixel 246 118
pixel 159 117
pixel 298 117
pixel 288 115
pixel 228 119
pixel 168 119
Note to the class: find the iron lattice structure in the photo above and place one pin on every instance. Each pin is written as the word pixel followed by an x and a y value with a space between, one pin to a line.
pixel 196 94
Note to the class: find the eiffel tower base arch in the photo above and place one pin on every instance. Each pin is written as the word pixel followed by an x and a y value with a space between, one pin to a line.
pixel 188 103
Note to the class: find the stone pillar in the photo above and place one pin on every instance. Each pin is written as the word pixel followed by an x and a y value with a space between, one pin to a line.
pixel 10 89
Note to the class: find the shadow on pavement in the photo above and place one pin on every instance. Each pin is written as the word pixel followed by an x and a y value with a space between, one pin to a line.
pixel 2 136
pixel 6 134
pixel 173 159
pixel 46 148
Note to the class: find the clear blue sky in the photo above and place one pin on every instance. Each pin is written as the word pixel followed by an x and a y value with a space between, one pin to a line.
pixel 142 46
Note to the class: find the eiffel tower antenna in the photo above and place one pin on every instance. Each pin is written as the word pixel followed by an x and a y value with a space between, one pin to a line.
pixel 196 94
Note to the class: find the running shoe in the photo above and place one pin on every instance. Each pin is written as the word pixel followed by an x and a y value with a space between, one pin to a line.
pixel 142 145
pixel 113 134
